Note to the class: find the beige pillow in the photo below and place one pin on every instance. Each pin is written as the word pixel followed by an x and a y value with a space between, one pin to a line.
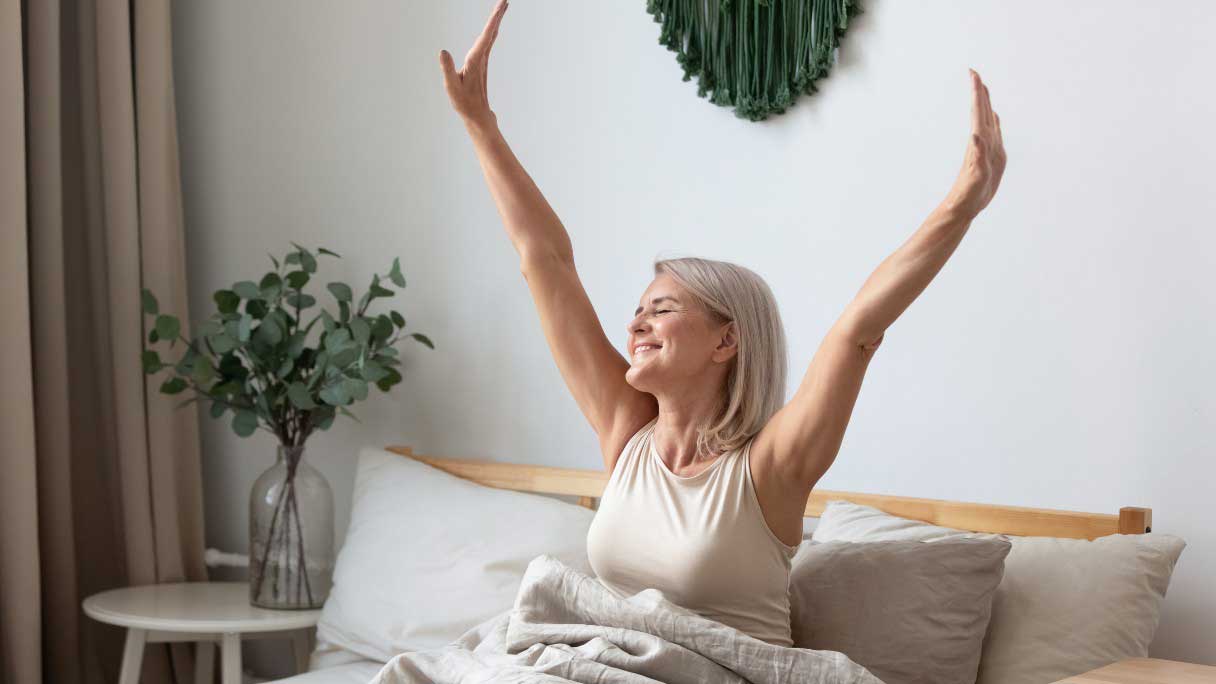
pixel 1064 606
pixel 910 613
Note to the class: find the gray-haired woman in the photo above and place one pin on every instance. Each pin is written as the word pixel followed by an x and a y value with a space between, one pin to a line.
pixel 709 472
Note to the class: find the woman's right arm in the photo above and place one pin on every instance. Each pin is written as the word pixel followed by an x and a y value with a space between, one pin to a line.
pixel 593 370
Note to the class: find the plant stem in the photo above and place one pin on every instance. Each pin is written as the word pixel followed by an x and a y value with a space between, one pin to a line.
pixel 269 542
pixel 300 532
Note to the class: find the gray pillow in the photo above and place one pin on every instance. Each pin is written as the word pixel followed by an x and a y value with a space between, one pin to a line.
pixel 911 613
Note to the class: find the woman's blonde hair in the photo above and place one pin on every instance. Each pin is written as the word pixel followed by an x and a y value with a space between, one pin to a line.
pixel 755 383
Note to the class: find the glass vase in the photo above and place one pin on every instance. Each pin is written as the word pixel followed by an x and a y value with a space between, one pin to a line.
pixel 291 534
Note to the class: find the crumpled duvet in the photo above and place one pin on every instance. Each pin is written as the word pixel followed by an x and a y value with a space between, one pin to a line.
pixel 568 627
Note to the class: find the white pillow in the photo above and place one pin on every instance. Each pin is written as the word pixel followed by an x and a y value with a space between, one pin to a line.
pixel 429 555
pixel 1064 606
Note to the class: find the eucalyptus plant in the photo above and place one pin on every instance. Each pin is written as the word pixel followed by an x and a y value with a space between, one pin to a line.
pixel 253 358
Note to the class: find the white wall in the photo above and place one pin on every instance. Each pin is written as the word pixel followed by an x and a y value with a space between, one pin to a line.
pixel 1062 359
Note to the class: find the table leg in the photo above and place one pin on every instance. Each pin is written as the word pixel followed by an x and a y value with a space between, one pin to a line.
pixel 230 654
pixel 133 656
pixel 204 663
pixel 299 646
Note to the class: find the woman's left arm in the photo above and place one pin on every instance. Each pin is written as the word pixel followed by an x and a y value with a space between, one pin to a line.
pixel 805 435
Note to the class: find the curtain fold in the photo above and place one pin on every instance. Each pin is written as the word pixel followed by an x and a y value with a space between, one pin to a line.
pixel 102 484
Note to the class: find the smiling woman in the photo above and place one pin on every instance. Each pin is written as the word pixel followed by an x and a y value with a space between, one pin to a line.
pixel 708 469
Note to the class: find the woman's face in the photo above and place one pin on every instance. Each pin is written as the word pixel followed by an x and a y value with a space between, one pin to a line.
pixel 672 338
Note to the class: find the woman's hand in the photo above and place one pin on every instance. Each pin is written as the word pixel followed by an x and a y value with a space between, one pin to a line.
pixel 467 87
pixel 984 162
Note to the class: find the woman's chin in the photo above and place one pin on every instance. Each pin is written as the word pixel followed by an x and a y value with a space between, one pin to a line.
pixel 637 378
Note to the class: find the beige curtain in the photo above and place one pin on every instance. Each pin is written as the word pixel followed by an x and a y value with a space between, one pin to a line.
pixel 101 483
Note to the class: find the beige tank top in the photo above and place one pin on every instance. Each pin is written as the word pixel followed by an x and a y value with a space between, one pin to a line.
pixel 701 540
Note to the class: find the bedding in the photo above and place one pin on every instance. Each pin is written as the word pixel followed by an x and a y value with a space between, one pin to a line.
pixel 357 672
pixel 428 555
pixel 1064 606
pixel 909 612
pixel 565 626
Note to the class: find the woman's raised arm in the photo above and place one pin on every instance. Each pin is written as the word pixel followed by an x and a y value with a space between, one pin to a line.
pixel 592 368
pixel 804 437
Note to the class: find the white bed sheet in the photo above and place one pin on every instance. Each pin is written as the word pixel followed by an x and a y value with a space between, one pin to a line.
pixel 359 672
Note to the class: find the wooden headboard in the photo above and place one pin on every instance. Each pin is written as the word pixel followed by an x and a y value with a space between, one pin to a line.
pixel 588 485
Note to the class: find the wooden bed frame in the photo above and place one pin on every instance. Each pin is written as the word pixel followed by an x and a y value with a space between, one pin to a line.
pixel 588 485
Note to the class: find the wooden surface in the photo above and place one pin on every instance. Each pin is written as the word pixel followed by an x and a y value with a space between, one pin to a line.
pixel 588 485
pixel 1146 671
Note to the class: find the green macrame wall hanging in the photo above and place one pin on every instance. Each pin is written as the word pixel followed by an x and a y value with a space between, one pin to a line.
pixel 754 55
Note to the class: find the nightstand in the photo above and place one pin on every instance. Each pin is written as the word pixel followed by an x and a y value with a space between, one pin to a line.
pixel 205 612
pixel 1146 671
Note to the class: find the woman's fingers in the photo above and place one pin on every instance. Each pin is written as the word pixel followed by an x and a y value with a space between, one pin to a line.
pixel 977 105
pixel 481 46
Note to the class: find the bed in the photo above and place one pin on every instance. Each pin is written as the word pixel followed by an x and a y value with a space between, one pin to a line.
pixel 406 502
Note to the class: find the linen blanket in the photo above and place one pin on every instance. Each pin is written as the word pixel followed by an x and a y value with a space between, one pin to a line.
pixel 568 627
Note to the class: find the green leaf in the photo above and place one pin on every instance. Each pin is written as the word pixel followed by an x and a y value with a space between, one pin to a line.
pixel 173 385
pixel 209 327
pixel 343 411
pixel 343 312
pixel 274 261
pixel 295 344
pixel 297 279
pixel 292 258
pixel 247 289
pixel 328 322
pixel 300 300
pixel 373 372
pixel 341 291
pixel 335 394
pixel 337 338
pixel 322 250
pixel 297 392
pixel 285 368
pixel 269 331
pixel 395 274
pixel 222 344
pixel 256 308
pixel 356 388
pixel 244 422
pixel 323 418
pixel 203 373
pixel 167 327
pixel 244 327
pixel 389 380
pixel 398 319
pixel 345 355
pixel 423 339
pixel 153 338
pixel 387 351
pixel 151 360
pixel 149 302
pixel 382 327
pixel 360 330
pixel 217 407
pixel 226 300
pixel 378 291
pixel 307 262
pixel 270 286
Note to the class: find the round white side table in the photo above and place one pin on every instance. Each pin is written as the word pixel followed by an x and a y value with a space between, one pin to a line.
pixel 206 612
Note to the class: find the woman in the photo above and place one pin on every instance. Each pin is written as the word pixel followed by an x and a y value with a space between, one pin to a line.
pixel 709 473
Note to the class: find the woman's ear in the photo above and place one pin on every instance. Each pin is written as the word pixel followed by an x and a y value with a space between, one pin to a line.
pixel 728 344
